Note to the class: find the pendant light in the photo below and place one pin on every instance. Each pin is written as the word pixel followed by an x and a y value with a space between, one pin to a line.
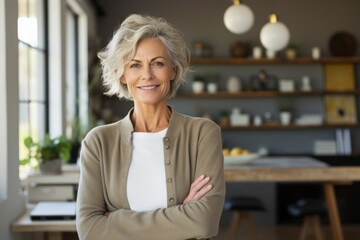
pixel 238 18
pixel 274 35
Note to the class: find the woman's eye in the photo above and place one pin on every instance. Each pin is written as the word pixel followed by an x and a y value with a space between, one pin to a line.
pixel 158 64
pixel 134 65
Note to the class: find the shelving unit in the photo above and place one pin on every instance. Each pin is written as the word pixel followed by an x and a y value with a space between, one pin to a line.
pixel 300 60
pixel 306 132
pixel 264 94
pixel 290 127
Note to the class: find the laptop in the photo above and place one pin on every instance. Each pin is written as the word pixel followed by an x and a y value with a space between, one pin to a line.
pixel 53 210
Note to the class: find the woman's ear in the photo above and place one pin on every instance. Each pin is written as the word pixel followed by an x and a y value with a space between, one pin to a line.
pixel 173 73
pixel 122 80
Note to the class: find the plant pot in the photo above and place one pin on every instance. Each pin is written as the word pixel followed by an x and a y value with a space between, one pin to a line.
pixel 291 53
pixel 51 167
pixel 212 87
pixel 285 118
pixel 198 87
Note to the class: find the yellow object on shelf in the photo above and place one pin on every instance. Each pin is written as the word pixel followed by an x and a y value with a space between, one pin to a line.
pixel 339 77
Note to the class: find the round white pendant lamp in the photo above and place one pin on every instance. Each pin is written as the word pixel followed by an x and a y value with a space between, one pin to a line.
pixel 274 35
pixel 238 18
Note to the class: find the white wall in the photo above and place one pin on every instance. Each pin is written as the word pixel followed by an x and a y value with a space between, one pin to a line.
pixel 311 23
pixel 13 204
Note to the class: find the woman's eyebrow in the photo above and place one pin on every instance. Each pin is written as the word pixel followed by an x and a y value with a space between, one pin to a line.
pixel 152 59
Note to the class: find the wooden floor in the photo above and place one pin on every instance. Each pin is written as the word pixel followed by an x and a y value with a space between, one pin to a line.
pixel 289 232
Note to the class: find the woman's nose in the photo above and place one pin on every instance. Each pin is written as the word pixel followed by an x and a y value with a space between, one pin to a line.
pixel 147 72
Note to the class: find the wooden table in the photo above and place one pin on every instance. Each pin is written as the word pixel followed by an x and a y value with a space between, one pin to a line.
pixel 298 169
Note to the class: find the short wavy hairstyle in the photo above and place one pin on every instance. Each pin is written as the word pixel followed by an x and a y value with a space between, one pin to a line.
pixel 122 47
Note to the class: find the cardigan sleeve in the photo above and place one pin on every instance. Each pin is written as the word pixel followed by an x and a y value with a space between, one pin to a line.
pixel 198 219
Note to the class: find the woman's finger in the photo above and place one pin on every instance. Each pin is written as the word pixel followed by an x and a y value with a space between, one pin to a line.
pixel 198 180
pixel 198 189
pixel 202 192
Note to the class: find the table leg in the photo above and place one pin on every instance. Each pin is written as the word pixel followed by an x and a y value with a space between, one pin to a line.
pixel 333 212
pixel 54 236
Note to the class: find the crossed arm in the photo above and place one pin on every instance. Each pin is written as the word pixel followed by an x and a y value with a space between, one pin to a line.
pixel 198 189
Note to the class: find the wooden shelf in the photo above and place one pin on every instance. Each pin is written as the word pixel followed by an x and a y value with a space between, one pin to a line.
pixel 290 127
pixel 264 94
pixel 300 60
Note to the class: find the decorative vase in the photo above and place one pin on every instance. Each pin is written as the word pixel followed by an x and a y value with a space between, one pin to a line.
pixel 234 84
pixel 315 53
pixel 212 87
pixel 285 118
pixel 51 167
pixel 198 86
pixel 257 52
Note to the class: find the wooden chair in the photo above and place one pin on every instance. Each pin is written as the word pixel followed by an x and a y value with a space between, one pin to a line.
pixel 242 208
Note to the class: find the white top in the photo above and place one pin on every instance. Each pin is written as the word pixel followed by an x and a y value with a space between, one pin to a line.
pixel 146 183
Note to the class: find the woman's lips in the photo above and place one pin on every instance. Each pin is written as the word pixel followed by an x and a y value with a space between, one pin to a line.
pixel 149 87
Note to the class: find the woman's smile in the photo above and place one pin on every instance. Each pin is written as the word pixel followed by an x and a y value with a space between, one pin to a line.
pixel 150 87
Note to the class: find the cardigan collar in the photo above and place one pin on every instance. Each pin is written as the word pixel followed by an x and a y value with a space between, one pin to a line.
pixel 173 128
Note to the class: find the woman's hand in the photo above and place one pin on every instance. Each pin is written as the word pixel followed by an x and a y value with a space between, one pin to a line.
pixel 198 189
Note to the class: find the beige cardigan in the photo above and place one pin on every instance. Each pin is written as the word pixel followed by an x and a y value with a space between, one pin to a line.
pixel 192 147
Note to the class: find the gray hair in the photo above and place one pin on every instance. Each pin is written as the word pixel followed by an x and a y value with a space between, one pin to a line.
pixel 121 49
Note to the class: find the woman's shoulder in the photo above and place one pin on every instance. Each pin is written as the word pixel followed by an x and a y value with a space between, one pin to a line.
pixel 105 131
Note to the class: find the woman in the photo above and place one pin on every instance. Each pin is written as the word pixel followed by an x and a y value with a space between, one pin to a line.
pixel 156 174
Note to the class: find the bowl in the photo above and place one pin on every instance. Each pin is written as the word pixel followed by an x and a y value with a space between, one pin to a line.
pixel 241 159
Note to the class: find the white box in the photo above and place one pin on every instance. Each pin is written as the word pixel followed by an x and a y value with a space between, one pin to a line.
pixel 240 120
pixel 286 85
pixel 325 147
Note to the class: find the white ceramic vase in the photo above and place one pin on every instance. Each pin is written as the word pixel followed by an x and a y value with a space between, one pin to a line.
pixel 212 87
pixel 198 86
pixel 285 118
pixel 234 84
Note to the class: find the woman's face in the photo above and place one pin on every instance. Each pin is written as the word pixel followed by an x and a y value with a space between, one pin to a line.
pixel 149 73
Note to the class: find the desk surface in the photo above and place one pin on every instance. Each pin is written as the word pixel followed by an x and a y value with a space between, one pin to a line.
pixel 25 224
pixel 290 169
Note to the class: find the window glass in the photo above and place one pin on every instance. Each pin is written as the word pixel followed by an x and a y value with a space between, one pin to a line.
pixel 32 79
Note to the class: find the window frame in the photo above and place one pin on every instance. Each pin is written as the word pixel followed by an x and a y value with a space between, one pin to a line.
pixel 3 107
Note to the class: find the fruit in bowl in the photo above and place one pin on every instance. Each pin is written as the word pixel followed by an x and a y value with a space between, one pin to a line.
pixel 238 155
pixel 236 151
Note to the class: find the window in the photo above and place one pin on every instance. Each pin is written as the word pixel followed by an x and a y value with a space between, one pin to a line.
pixel 52 46
pixel 32 45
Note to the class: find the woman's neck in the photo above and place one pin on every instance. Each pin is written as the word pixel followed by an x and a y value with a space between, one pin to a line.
pixel 150 118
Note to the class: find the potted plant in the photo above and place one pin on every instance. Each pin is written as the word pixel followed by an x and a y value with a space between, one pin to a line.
pixel 49 154
pixel 198 84
pixel 291 51
pixel 285 113
pixel 224 119
pixel 212 83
